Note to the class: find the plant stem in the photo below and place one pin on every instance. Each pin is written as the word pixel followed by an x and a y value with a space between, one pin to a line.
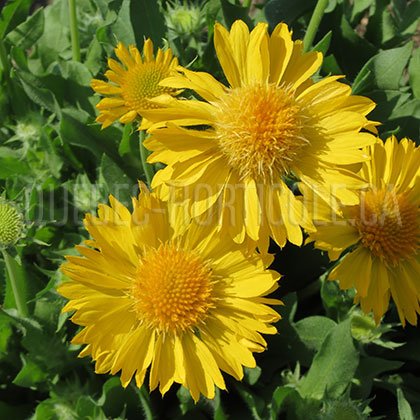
pixel 17 286
pixel 313 24
pixel 75 45
pixel 4 59
pixel 247 3
pixel 147 167
pixel 145 402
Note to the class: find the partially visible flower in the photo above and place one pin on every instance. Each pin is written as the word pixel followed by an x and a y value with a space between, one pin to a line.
pixel 235 151
pixel 132 84
pixel 184 19
pixel 342 410
pixel 382 233
pixel 11 224
pixel 153 291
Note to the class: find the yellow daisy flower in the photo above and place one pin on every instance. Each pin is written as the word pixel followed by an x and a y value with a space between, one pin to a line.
pixel 234 152
pixel 149 292
pixel 132 84
pixel 382 233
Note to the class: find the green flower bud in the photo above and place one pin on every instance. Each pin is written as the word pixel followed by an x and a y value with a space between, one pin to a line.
pixel 363 327
pixel 11 224
pixel 184 19
pixel 343 410
pixel 27 131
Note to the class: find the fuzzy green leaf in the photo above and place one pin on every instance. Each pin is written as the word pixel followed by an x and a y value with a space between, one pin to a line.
pixel 333 366
pixel 404 410
pixel 384 70
pixel 414 73
pixel 313 330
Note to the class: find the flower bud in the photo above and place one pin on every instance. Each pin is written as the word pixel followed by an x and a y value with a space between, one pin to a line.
pixel 11 224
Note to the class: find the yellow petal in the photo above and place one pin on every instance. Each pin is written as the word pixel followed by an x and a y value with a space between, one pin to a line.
pixel 225 54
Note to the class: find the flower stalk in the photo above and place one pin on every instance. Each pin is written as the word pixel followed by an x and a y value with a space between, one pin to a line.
pixel 314 24
pixel 144 153
pixel 74 31
pixel 16 283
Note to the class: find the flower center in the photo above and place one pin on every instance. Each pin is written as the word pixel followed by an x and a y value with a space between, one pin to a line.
pixel 259 130
pixel 141 82
pixel 388 224
pixel 173 291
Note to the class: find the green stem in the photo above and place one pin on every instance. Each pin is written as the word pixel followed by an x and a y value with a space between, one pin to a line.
pixel 5 62
pixel 75 45
pixel 4 59
pixel 313 24
pixel 145 402
pixel 17 286
pixel 247 3
pixel 147 167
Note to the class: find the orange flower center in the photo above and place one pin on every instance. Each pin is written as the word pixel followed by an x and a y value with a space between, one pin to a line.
pixel 388 224
pixel 142 82
pixel 259 130
pixel 173 290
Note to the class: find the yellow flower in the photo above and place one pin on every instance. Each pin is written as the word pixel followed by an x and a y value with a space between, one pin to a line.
pixel 382 232
pixel 133 84
pixel 234 152
pixel 149 292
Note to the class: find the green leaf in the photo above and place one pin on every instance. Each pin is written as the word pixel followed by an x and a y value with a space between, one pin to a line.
pixel 381 26
pixel 114 398
pixel 28 32
pixel 350 50
pixel 122 27
pixel 384 70
pixel 333 366
pixel 37 93
pixel 408 109
pixel 21 411
pixel 323 45
pixel 30 374
pixel 19 57
pixel 358 7
pixel 54 409
pixel 410 20
pixel 116 181
pixel 10 167
pixel 93 60
pixel 232 12
pixel 13 14
pixel 370 368
pixel 414 73
pixel 129 141
pixel 287 11
pixel 331 66
pixel 404 410
pixel 219 413
pixel 279 397
pixel 147 21
pixel 312 330
pixel 336 302
pixel 56 37
pixel 86 408
pixel 251 375
pixel 76 129
pixel 255 403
